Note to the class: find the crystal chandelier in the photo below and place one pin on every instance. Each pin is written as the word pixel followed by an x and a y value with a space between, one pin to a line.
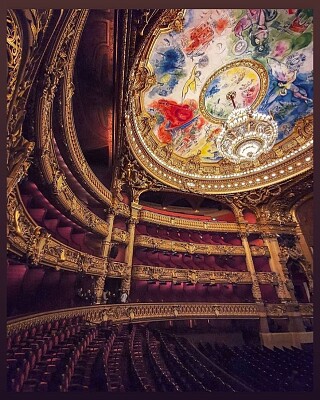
pixel 246 134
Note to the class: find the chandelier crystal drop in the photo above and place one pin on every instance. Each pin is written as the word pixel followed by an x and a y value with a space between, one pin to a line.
pixel 246 135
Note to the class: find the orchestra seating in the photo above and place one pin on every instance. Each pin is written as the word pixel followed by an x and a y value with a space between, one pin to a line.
pixel 74 355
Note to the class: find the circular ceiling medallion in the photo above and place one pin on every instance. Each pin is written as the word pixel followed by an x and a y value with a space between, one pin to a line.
pixel 247 78
pixel 178 105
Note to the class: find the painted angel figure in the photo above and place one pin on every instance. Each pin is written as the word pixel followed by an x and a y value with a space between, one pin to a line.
pixel 285 78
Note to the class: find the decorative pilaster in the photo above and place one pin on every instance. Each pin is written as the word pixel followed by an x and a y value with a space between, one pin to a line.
pixel 133 220
pixel 277 264
pixel 255 285
pixel 105 248
pixel 107 240
pixel 305 249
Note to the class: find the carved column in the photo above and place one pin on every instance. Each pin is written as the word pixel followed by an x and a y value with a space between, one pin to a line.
pixel 125 284
pixel 255 285
pixel 107 240
pixel 104 253
pixel 278 265
pixel 99 288
pixel 305 249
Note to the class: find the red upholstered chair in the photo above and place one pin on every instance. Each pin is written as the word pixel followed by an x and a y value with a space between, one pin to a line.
pixel 153 258
pixel 138 291
pixel 189 262
pixel 214 293
pixel 153 292
pixel 261 264
pixel 51 224
pixel 232 239
pixel 163 233
pixel 185 236
pixel 189 292
pixel 37 214
pixel 165 292
pixel 196 237
pixel 210 262
pixel 164 259
pixel 199 261
pixel 152 230
pixel 200 292
pixel 177 292
pixel 141 254
pixel 176 260
pixel 141 229
pixel 206 237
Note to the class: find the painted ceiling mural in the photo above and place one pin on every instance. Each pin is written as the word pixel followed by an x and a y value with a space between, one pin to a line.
pixel 180 98
pixel 264 55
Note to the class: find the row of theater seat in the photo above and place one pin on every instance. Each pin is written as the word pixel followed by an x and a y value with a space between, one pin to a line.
pixel 144 291
pixel 182 235
pixel 57 224
pixel 51 357
pixel 161 258
pixel 62 356
pixel 264 369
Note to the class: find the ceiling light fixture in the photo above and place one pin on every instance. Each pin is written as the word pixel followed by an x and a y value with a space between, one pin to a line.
pixel 246 134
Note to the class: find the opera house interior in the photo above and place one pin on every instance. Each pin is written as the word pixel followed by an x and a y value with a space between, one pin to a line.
pixel 159 200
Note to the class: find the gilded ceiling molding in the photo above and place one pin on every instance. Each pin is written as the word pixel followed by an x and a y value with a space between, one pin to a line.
pixel 119 235
pixel 25 237
pixel 123 313
pixel 26 30
pixel 144 272
pixel 278 210
pixel 57 65
pixel 66 122
pixel 192 248
pixel 289 157
pixel 131 178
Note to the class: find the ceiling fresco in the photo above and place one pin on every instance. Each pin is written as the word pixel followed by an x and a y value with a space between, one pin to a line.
pixel 264 55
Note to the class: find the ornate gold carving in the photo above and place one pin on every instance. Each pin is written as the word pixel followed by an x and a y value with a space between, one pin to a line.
pixel 119 235
pixel 276 310
pixel 174 18
pixel 185 223
pixel 306 309
pixel 267 277
pixel 36 246
pixel 24 50
pixel 145 272
pixel 198 177
pixel 164 244
pixel 256 292
pixel 259 251
pixel 25 237
pixel 117 269
pixel 134 178
pixel 120 313
pixel 99 286
pixel 14 53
